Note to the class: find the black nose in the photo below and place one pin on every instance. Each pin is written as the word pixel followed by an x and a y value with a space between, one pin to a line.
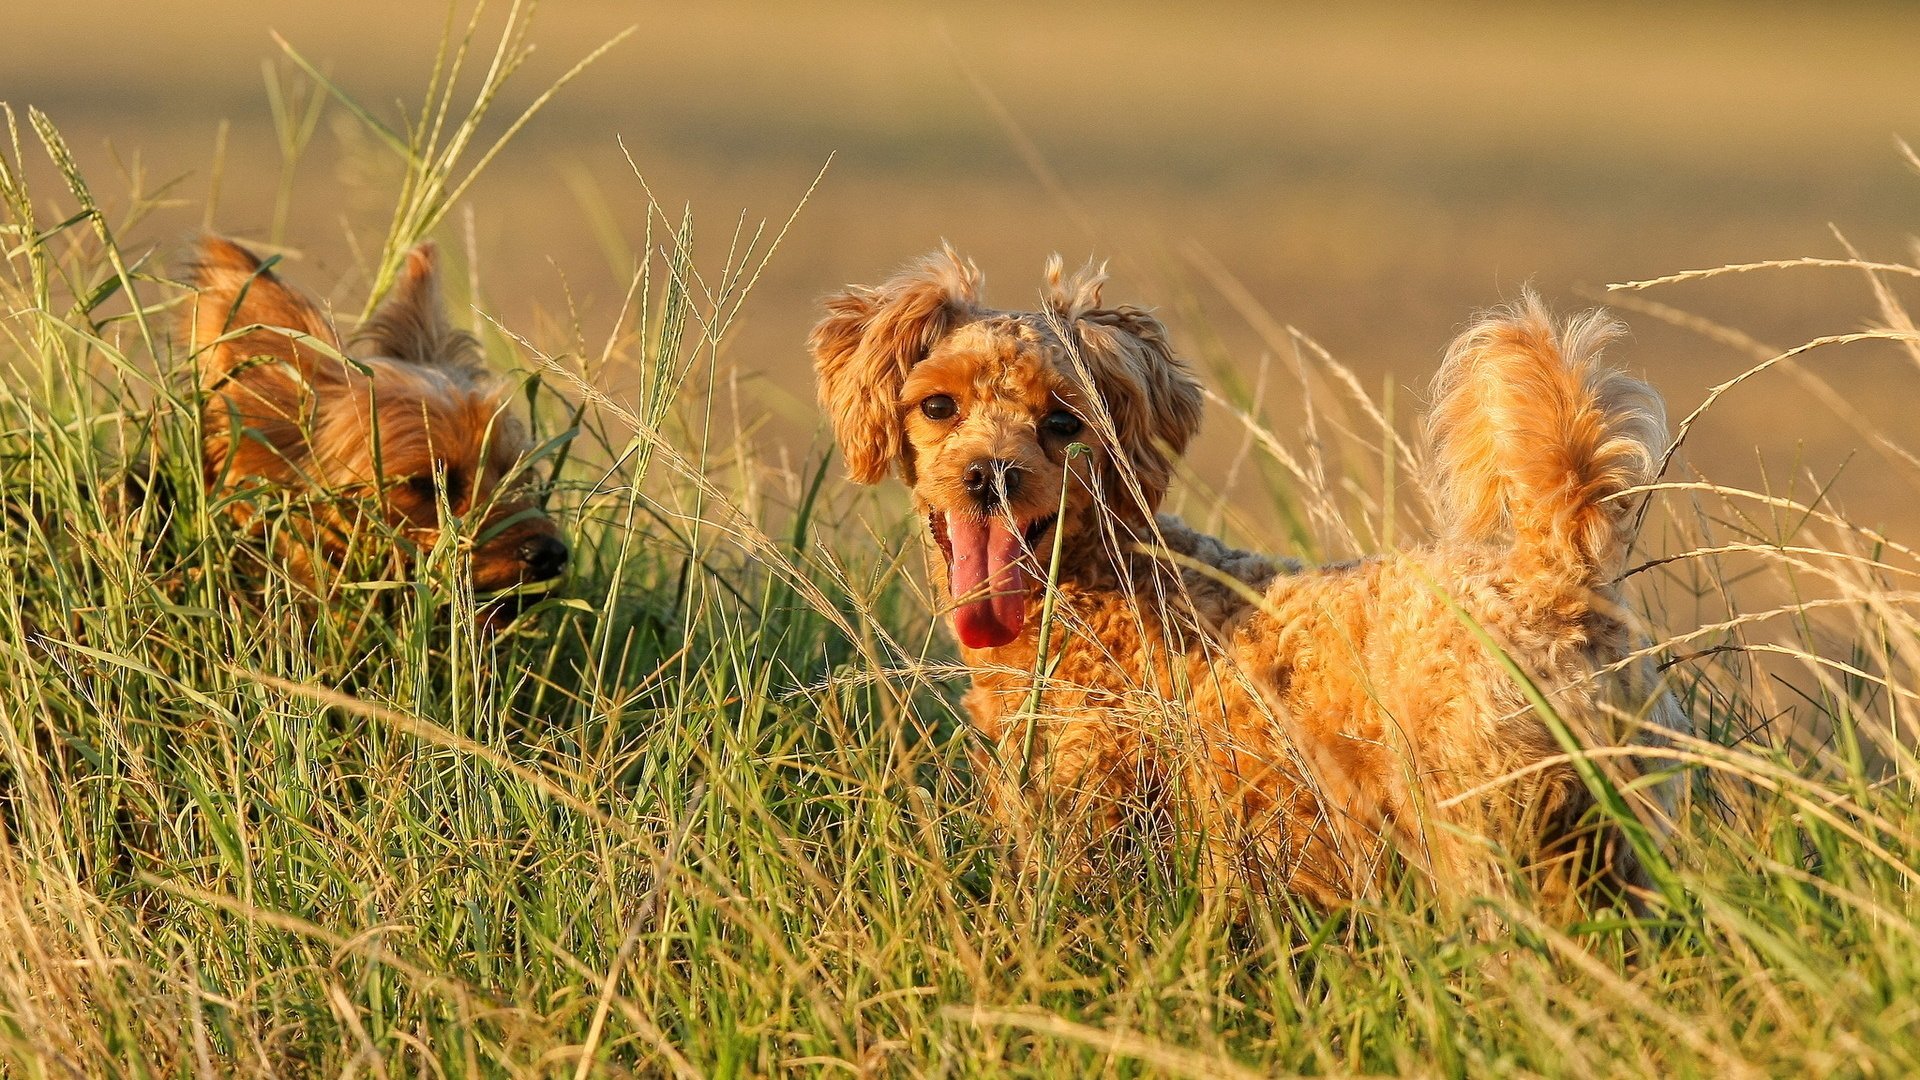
pixel 545 556
pixel 992 480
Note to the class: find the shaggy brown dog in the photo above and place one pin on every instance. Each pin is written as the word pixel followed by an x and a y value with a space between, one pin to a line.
pixel 1304 721
pixel 411 427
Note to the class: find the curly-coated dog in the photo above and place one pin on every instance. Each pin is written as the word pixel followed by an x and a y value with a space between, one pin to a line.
pixel 1304 721
pixel 377 439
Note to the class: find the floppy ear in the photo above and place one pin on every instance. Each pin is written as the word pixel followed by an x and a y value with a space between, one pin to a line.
pixel 868 342
pixel 1148 392
pixel 236 291
pixel 411 324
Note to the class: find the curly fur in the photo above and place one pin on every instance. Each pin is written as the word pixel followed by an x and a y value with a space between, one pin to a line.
pixel 411 421
pixel 1303 722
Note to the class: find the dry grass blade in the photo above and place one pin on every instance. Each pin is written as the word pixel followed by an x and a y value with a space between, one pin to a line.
pixel 1771 264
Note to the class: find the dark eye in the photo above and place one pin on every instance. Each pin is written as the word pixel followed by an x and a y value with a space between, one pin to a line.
pixel 1062 423
pixel 938 407
pixel 427 486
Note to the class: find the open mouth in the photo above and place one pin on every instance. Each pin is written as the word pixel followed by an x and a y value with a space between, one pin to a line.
pixel 992 568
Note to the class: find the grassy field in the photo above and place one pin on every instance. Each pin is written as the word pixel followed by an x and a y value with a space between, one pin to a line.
pixel 706 812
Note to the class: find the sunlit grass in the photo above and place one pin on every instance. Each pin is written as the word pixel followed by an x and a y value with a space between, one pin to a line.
pixel 707 810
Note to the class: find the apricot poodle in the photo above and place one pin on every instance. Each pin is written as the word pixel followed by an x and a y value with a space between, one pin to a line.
pixel 1298 723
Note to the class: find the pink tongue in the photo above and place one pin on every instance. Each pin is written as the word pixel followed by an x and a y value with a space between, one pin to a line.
pixel 988 581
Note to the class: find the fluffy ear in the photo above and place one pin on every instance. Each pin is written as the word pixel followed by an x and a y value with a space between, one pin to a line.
pixel 236 291
pixel 1149 394
pixel 411 324
pixel 871 338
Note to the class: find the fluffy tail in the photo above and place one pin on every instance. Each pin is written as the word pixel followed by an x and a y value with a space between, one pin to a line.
pixel 1532 441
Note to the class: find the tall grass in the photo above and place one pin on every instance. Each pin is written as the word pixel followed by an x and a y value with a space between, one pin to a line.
pixel 705 811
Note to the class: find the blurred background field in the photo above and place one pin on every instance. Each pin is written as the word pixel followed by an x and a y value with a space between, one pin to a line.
pixel 1367 173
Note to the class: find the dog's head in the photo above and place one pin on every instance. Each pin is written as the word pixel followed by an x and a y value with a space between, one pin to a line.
pixel 406 426
pixel 977 410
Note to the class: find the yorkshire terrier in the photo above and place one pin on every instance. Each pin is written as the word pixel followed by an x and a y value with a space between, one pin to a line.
pixel 378 440
pixel 1299 722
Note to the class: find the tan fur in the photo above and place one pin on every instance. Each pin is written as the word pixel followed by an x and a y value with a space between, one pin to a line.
pixel 1143 388
pixel 1536 450
pixel 871 337
pixel 1304 722
pixel 411 421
